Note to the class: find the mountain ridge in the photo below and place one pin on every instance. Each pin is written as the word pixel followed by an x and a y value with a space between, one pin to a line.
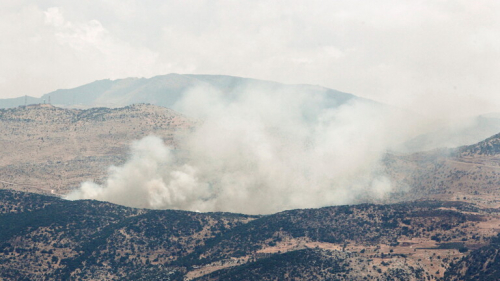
pixel 163 90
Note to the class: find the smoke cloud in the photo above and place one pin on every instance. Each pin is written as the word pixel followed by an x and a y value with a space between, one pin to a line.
pixel 259 152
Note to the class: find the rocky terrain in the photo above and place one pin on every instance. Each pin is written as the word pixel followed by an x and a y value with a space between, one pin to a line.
pixel 48 149
pixel 43 237
pixel 469 173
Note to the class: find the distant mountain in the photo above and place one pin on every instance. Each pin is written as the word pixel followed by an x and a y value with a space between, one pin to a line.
pixel 15 102
pixel 164 90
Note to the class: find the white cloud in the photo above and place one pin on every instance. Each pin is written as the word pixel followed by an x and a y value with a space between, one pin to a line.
pixel 48 51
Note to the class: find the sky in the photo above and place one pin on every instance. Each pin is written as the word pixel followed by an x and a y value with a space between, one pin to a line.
pixel 433 57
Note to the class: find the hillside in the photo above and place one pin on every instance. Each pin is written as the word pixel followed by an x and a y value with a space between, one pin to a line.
pixel 57 239
pixel 51 238
pixel 481 264
pixel 468 173
pixel 50 149
pixel 487 147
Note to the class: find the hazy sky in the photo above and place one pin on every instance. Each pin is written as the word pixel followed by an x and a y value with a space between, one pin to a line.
pixel 431 56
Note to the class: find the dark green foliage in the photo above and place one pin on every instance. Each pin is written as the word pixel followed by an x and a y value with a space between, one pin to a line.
pixel 453 245
pixel 480 264
pixel 490 146
pixel 307 264
pixel 95 232
pixel 365 223
pixel 15 202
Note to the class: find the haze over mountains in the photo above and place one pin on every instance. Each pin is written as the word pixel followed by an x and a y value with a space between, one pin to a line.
pixel 168 90
pixel 463 131
pixel 256 146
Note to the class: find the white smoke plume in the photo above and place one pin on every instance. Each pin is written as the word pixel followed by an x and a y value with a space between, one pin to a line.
pixel 259 152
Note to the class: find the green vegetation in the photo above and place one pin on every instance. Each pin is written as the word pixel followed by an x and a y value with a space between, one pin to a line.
pixel 307 264
pixel 480 264
pixel 44 237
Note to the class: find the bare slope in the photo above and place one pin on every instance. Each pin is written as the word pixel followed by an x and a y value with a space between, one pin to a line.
pixel 469 173
pixel 44 148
